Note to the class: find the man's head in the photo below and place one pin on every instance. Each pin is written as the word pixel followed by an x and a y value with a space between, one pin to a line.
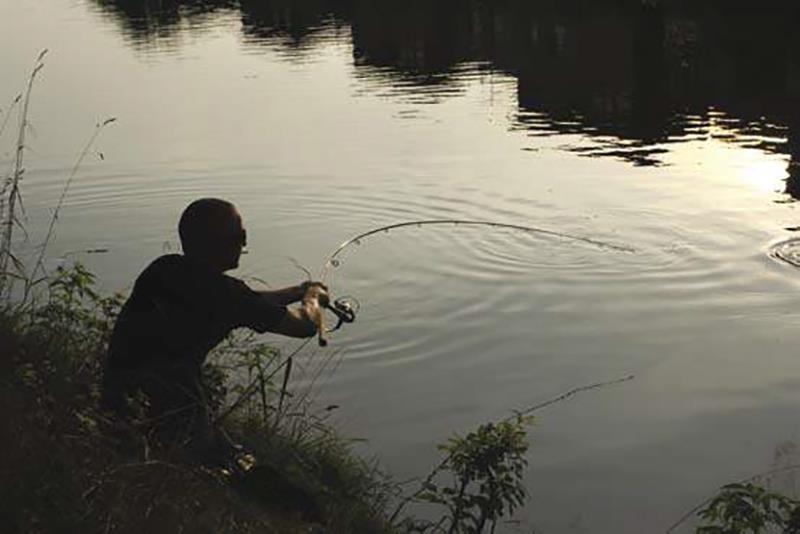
pixel 211 233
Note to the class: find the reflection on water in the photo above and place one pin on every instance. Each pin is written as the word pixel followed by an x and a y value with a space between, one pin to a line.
pixel 635 78
pixel 157 23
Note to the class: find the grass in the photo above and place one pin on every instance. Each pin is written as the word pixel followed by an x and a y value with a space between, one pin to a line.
pixel 68 468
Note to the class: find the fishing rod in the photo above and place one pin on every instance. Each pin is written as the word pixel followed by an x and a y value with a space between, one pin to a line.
pixel 346 308
pixel 333 262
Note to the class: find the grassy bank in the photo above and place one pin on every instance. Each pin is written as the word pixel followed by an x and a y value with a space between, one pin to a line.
pixel 68 468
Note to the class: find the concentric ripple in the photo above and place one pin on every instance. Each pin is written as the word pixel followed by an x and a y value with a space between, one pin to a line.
pixel 787 251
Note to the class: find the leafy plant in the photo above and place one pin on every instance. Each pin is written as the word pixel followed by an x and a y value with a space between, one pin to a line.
pixel 744 508
pixel 487 467
pixel 68 468
pixel 75 309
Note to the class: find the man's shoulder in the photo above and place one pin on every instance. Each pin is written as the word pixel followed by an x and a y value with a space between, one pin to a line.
pixel 163 270
pixel 166 265
pixel 167 261
pixel 178 272
pixel 174 274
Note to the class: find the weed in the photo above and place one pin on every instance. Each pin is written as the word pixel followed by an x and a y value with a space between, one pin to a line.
pixel 486 468
pixel 12 268
pixel 10 193
pixel 746 508
pixel 69 468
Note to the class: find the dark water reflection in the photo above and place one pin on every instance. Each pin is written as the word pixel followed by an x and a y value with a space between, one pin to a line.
pixel 636 78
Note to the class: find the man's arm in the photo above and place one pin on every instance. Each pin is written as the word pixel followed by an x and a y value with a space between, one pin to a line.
pixel 289 295
pixel 283 297
pixel 296 323
pixel 306 320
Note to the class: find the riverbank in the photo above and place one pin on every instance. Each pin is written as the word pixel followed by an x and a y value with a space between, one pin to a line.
pixel 68 468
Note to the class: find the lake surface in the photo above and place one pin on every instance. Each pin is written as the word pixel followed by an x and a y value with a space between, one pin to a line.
pixel 674 131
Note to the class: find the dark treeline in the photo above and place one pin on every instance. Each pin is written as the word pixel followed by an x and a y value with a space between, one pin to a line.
pixel 641 72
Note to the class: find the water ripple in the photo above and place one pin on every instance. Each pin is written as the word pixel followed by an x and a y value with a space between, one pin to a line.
pixel 787 251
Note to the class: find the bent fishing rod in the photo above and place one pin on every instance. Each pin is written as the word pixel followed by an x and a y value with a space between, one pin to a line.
pixel 333 262
pixel 345 308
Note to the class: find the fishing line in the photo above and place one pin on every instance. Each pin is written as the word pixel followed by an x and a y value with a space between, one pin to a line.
pixel 346 308
pixel 333 261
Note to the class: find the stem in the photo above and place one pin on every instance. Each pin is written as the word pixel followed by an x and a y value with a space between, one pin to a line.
pixel 285 384
pixel 16 175
pixel 459 507
pixel 492 497
pixel 263 388
pixel 565 396
pixel 8 113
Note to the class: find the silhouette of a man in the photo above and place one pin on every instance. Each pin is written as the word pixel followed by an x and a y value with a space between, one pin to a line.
pixel 181 307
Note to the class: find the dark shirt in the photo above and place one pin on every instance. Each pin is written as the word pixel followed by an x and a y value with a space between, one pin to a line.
pixel 179 311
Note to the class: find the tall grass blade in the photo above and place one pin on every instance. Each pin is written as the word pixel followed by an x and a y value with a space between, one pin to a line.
pixel 13 196
pixel 39 264
pixel 8 112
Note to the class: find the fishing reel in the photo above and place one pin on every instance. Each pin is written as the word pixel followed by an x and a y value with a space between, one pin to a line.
pixel 345 309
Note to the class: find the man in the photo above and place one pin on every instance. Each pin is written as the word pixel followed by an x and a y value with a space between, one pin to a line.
pixel 181 307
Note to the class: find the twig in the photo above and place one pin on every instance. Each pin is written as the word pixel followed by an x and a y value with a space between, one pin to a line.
pixel 567 395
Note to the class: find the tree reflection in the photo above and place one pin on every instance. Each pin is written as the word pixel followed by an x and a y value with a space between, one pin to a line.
pixel 634 76
pixel 291 22
pixel 144 22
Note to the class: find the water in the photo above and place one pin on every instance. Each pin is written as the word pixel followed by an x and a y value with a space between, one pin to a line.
pixel 666 131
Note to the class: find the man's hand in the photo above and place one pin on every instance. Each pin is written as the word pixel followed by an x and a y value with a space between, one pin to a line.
pixel 290 295
pixel 317 291
pixel 314 301
pixel 308 319
pixel 305 286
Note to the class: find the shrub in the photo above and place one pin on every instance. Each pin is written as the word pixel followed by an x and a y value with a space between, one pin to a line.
pixel 746 508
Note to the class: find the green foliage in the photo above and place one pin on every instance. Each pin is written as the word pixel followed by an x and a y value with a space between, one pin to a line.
pixel 55 441
pixel 74 312
pixel 487 468
pixel 68 468
pixel 744 508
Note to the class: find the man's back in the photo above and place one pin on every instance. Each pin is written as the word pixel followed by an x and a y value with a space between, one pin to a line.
pixel 180 308
pixel 178 311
